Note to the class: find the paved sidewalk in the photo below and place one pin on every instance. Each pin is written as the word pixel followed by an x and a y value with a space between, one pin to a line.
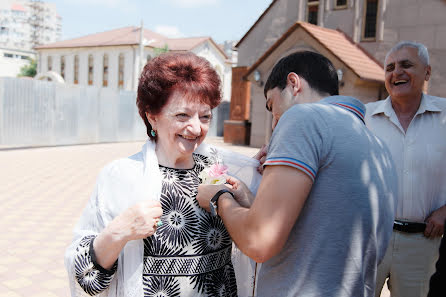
pixel 42 193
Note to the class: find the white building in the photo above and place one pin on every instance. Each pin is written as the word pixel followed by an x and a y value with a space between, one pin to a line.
pixel 24 24
pixel 113 58
pixel 11 60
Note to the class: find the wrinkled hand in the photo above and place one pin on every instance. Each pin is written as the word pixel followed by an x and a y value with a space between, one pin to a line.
pixel 205 194
pixel 138 221
pixel 261 156
pixel 435 223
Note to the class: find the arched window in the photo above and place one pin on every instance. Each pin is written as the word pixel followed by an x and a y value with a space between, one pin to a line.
pixel 50 63
pixel 62 66
pixel 105 71
pixel 90 70
pixel 312 11
pixel 121 71
pixel 76 69
pixel 149 57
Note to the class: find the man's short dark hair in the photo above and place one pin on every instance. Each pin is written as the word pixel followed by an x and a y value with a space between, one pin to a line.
pixel 316 69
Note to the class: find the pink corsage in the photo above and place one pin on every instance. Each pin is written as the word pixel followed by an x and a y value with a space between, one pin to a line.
pixel 214 175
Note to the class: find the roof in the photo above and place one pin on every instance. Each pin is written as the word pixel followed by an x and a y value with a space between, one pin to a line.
pixel 185 44
pixel 130 36
pixel 17 7
pixel 121 36
pixel 258 20
pixel 340 45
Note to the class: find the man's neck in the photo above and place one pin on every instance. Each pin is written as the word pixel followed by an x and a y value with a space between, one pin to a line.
pixel 406 105
pixel 405 108
pixel 312 97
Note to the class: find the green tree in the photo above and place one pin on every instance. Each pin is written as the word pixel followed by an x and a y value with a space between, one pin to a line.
pixel 29 70
pixel 160 50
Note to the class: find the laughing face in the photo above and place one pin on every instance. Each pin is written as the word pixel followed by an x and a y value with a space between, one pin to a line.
pixel 405 74
pixel 181 127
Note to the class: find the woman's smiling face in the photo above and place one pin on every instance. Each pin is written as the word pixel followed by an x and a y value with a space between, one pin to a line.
pixel 181 126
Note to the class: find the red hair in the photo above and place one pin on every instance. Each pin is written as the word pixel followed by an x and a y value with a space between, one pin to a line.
pixel 187 73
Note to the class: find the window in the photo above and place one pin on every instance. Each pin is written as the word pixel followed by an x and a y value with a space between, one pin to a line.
pixel 62 66
pixel 90 70
pixel 50 63
pixel 6 55
pixel 312 11
pixel 121 71
pixel 76 69
pixel 371 13
pixel 105 71
pixel 149 57
pixel 340 4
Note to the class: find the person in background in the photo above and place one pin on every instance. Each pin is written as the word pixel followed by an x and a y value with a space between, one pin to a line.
pixel 322 216
pixel 413 126
pixel 437 284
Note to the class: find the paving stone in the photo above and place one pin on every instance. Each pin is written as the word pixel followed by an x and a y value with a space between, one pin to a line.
pixel 42 194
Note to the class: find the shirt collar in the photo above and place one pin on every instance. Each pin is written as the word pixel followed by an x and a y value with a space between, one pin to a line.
pixel 426 104
pixel 348 103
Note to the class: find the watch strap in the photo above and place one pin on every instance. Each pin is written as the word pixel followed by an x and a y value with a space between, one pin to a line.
pixel 214 200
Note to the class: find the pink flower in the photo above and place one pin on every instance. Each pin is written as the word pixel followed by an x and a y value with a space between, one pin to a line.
pixel 217 169
pixel 214 175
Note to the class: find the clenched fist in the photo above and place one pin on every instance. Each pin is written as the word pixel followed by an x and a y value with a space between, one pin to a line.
pixel 137 222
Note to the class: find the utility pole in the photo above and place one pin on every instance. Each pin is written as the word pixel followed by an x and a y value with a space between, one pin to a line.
pixel 141 48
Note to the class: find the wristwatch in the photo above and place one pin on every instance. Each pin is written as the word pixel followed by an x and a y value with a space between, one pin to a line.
pixel 214 200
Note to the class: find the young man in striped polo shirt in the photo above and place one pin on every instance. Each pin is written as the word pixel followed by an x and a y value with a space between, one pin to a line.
pixel 323 214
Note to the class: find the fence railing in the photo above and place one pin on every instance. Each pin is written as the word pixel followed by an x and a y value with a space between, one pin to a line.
pixel 42 113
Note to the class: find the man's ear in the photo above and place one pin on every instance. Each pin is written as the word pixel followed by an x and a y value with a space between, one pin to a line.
pixel 295 82
pixel 428 72
pixel 152 120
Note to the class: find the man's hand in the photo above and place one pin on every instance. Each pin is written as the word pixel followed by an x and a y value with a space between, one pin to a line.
pixel 242 194
pixel 261 156
pixel 435 223
pixel 205 194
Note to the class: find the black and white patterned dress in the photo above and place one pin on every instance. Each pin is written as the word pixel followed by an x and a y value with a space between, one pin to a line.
pixel 189 255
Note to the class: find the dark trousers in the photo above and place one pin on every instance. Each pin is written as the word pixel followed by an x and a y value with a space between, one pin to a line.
pixel 437 285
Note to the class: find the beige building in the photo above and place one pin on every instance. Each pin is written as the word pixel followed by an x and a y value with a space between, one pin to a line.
pixel 371 27
pixel 114 59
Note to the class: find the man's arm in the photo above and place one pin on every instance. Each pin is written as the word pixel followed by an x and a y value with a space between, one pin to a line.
pixel 261 231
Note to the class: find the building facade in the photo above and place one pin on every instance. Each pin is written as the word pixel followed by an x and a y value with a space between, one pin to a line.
pixel 25 24
pixel 11 60
pixel 114 59
pixel 373 25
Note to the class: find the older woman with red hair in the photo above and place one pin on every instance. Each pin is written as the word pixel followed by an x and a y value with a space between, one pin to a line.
pixel 143 232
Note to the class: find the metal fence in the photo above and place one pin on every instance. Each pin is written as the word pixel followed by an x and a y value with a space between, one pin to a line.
pixel 42 113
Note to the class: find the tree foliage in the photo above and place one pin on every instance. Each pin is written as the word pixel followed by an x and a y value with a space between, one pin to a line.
pixel 160 50
pixel 29 70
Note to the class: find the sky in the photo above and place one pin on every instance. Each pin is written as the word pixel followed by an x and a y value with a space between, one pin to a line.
pixel 220 19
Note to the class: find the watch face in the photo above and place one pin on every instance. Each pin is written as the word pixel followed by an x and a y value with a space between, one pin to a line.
pixel 213 208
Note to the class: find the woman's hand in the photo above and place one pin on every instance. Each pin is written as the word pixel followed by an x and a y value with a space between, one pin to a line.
pixel 261 156
pixel 137 222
